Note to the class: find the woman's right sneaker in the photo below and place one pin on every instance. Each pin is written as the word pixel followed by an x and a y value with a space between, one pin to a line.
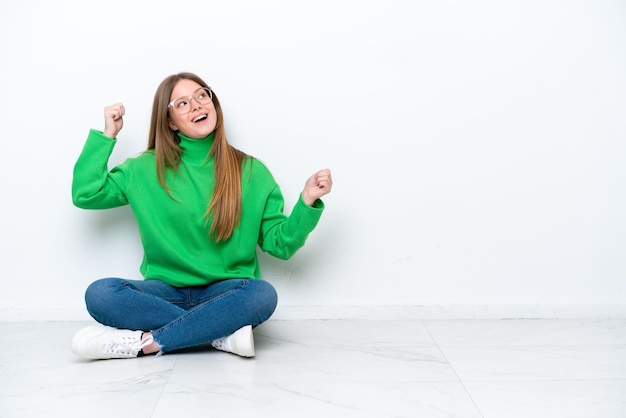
pixel 241 342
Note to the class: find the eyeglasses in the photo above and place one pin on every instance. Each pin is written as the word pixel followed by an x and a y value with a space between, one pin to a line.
pixel 183 105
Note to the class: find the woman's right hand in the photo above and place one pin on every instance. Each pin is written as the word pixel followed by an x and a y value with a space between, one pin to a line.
pixel 113 120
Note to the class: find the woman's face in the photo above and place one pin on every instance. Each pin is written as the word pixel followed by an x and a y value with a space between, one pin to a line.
pixel 189 116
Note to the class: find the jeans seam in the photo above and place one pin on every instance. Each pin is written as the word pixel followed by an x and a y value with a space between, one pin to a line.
pixel 200 306
pixel 139 290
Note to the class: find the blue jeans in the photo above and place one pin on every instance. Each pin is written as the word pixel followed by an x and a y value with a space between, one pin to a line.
pixel 181 317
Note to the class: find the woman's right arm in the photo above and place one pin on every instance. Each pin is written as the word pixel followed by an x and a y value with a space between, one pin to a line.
pixel 93 186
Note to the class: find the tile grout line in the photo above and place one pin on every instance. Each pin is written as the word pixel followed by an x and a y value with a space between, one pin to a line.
pixel 169 376
pixel 453 370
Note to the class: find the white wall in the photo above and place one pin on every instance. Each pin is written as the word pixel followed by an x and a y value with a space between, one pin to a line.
pixel 477 146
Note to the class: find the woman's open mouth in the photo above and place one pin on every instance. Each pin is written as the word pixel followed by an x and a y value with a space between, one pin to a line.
pixel 200 118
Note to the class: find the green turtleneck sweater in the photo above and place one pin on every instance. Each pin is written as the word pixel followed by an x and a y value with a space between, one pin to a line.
pixel 175 236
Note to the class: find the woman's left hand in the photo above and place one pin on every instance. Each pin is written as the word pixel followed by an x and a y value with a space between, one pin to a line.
pixel 318 185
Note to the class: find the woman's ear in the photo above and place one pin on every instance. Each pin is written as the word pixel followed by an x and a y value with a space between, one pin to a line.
pixel 173 127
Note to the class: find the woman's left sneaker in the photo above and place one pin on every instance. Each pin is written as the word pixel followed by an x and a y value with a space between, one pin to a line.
pixel 99 342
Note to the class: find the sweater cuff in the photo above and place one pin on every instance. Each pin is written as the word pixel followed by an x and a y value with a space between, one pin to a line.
pixel 317 207
pixel 94 133
pixel 304 219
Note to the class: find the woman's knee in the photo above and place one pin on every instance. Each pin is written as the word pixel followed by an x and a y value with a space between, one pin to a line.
pixel 99 294
pixel 265 295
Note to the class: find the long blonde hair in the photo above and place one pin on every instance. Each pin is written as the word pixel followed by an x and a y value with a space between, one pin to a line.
pixel 224 210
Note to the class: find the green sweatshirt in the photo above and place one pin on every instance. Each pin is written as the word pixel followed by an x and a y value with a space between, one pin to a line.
pixel 175 236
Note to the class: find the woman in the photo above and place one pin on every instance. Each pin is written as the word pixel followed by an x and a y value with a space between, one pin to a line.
pixel 202 208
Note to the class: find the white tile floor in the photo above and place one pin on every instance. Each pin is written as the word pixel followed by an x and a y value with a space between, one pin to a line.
pixel 343 368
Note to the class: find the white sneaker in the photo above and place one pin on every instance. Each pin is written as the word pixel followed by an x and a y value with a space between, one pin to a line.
pixel 241 342
pixel 102 342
